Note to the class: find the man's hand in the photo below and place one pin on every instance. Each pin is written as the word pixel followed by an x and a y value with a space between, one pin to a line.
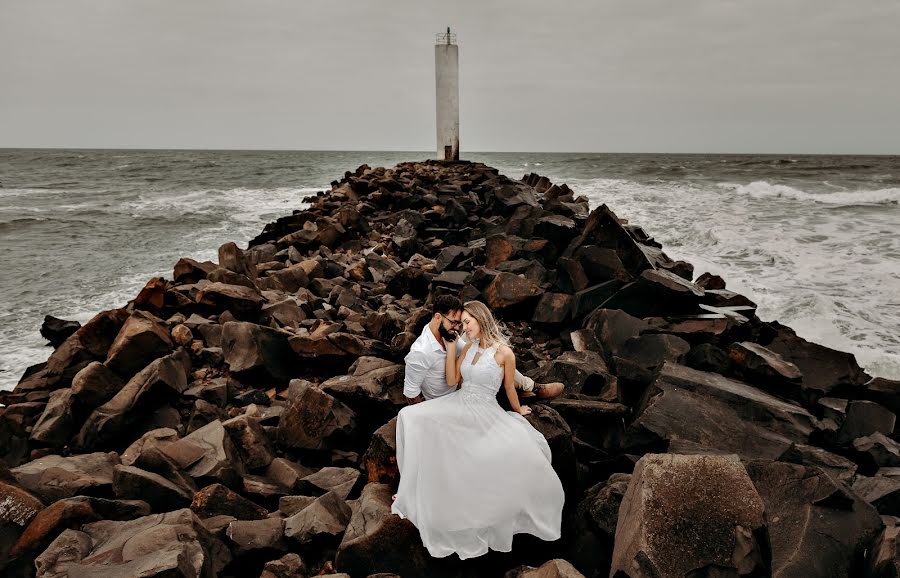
pixel 414 400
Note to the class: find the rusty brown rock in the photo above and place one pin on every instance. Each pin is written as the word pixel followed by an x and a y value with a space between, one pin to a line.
pixel 216 500
pixel 507 290
pixel 152 296
pixel 381 458
pixel 73 513
pixel 315 419
pixel 17 506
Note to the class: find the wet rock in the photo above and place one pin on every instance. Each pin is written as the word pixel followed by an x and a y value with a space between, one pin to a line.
pixel 217 500
pixel 327 517
pixel 681 513
pixel 170 544
pixel 142 339
pixel 55 477
pixel 57 330
pixel 314 420
pixel 816 526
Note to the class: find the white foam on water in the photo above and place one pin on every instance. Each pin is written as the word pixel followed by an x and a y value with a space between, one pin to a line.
pixel 243 214
pixel 832 276
pixel 765 190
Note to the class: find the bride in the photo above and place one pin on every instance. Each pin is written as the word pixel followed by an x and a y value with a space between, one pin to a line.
pixel 471 474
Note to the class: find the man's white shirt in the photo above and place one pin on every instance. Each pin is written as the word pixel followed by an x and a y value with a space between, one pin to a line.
pixel 425 371
pixel 425 368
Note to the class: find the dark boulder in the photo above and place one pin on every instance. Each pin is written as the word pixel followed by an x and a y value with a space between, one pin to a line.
pixel 57 330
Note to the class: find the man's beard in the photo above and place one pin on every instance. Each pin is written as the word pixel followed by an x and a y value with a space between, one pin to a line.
pixel 447 334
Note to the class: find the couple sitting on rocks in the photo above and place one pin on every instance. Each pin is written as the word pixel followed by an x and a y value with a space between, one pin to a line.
pixel 471 474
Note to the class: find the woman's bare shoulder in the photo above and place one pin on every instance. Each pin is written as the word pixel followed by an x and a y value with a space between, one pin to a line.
pixel 505 352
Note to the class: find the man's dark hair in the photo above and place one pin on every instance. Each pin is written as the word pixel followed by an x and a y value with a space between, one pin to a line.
pixel 444 304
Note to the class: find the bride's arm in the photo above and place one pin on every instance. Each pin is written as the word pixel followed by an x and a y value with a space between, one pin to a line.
pixel 508 362
pixel 453 363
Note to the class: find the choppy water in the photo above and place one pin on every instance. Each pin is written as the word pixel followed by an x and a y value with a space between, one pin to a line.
pixel 812 239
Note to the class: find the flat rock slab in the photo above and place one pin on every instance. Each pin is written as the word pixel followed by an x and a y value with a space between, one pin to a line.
pixel 170 544
pixel 55 477
pixel 720 413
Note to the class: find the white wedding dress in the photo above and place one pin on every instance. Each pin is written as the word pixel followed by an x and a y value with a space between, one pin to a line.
pixel 472 474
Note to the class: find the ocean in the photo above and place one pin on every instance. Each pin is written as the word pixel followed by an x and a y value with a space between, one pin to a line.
pixel 813 240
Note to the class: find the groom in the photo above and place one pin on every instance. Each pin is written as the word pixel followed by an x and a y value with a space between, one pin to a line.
pixel 425 374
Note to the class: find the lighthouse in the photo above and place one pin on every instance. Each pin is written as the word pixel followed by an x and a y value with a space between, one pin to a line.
pixel 446 74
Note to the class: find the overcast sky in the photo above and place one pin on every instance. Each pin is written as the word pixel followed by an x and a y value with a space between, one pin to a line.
pixel 815 76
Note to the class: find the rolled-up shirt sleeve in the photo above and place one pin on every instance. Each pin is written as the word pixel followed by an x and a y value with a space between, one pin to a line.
pixel 417 366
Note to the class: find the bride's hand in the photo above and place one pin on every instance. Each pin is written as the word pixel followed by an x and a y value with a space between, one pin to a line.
pixel 524 410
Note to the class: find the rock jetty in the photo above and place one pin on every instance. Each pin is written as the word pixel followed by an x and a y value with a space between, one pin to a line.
pixel 238 418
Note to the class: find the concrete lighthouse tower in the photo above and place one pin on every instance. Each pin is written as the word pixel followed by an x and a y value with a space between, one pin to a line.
pixel 446 73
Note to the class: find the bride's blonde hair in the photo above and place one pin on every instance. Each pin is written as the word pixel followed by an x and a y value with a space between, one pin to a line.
pixel 492 332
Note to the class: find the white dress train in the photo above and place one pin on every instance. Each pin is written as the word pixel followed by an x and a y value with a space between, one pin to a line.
pixel 471 474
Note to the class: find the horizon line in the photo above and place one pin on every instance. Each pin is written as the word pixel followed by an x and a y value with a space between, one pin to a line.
pixel 288 150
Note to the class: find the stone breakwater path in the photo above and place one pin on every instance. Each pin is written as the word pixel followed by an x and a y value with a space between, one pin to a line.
pixel 238 418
